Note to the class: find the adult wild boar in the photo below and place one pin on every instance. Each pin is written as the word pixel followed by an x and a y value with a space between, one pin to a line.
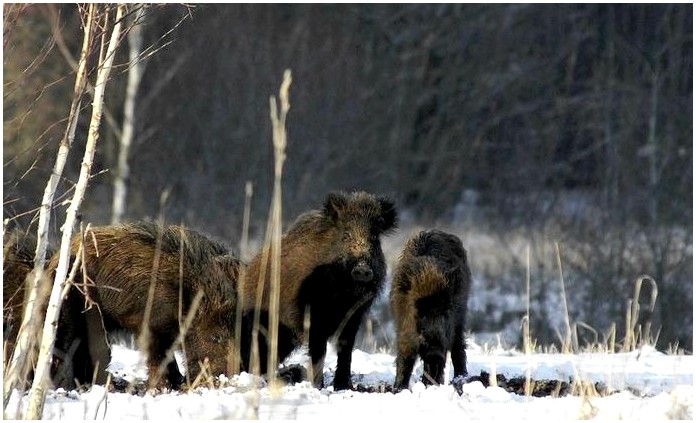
pixel 18 263
pixel 332 267
pixel 428 298
pixel 119 263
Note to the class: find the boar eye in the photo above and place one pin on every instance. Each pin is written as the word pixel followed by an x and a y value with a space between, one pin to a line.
pixel 346 236
pixel 217 339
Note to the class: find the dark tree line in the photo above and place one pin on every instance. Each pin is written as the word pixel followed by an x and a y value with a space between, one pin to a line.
pixel 569 121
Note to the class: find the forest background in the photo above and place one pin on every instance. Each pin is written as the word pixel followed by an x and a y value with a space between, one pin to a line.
pixel 555 139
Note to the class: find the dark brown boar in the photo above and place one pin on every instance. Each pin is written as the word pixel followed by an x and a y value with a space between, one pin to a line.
pixel 428 298
pixel 119 262
pixel 81 351
pixel 18 263
pixel 333 267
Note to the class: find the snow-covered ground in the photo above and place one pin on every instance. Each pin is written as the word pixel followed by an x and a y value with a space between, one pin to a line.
pixel 644 385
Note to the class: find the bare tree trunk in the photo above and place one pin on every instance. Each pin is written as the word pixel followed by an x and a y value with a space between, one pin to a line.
pixel 653 150
pixel 38 389
pixel 135 40
pixel 28 333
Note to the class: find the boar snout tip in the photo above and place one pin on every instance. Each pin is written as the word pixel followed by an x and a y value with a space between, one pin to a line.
pixel 362 274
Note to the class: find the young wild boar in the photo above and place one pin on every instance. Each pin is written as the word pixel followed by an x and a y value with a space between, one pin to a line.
pixel 428 297
pixel 119 262
pixel 332 267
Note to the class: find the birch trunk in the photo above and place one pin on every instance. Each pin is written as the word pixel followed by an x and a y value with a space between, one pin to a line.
pixel 653 150
pixel 42 374
pixel 135 42
pixel 28 333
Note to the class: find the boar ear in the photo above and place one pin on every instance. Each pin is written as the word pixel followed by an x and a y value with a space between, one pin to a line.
pixel 388 218
pixel 230 265
pixel 333 205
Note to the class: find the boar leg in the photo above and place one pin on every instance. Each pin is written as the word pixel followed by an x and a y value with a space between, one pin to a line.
pixel 317 351
pixel 159 344
pixel 99 350
pixel 344 349
pixel 458 352
pixel 433 370
pixel 404 369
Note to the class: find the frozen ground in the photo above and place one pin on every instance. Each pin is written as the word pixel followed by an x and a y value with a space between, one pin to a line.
pixel 640 385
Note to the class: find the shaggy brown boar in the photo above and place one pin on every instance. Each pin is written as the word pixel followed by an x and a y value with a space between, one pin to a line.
pixel 18 262
pixel 119 262
pixel 428 297
pixel 332 266
pixel 72 354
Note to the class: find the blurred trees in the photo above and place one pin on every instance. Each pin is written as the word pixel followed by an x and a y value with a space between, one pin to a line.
pixel 569 123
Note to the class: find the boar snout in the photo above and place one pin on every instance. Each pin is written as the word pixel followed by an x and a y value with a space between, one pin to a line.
pixel 362 273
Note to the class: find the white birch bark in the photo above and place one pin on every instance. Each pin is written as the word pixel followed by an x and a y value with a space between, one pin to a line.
pixel 27 335
pixel 42 373
pixel 135 72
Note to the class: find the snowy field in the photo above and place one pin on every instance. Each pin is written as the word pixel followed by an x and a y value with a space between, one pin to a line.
pixel 640 385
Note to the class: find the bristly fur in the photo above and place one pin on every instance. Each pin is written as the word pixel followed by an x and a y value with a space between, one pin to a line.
pixel 420 277
pixel 18 263
pixel 202 257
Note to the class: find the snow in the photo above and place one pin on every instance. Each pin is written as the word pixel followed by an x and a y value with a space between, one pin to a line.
pixel 645 385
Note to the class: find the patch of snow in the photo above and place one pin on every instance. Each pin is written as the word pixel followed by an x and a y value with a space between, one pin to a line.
pixel 648 385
